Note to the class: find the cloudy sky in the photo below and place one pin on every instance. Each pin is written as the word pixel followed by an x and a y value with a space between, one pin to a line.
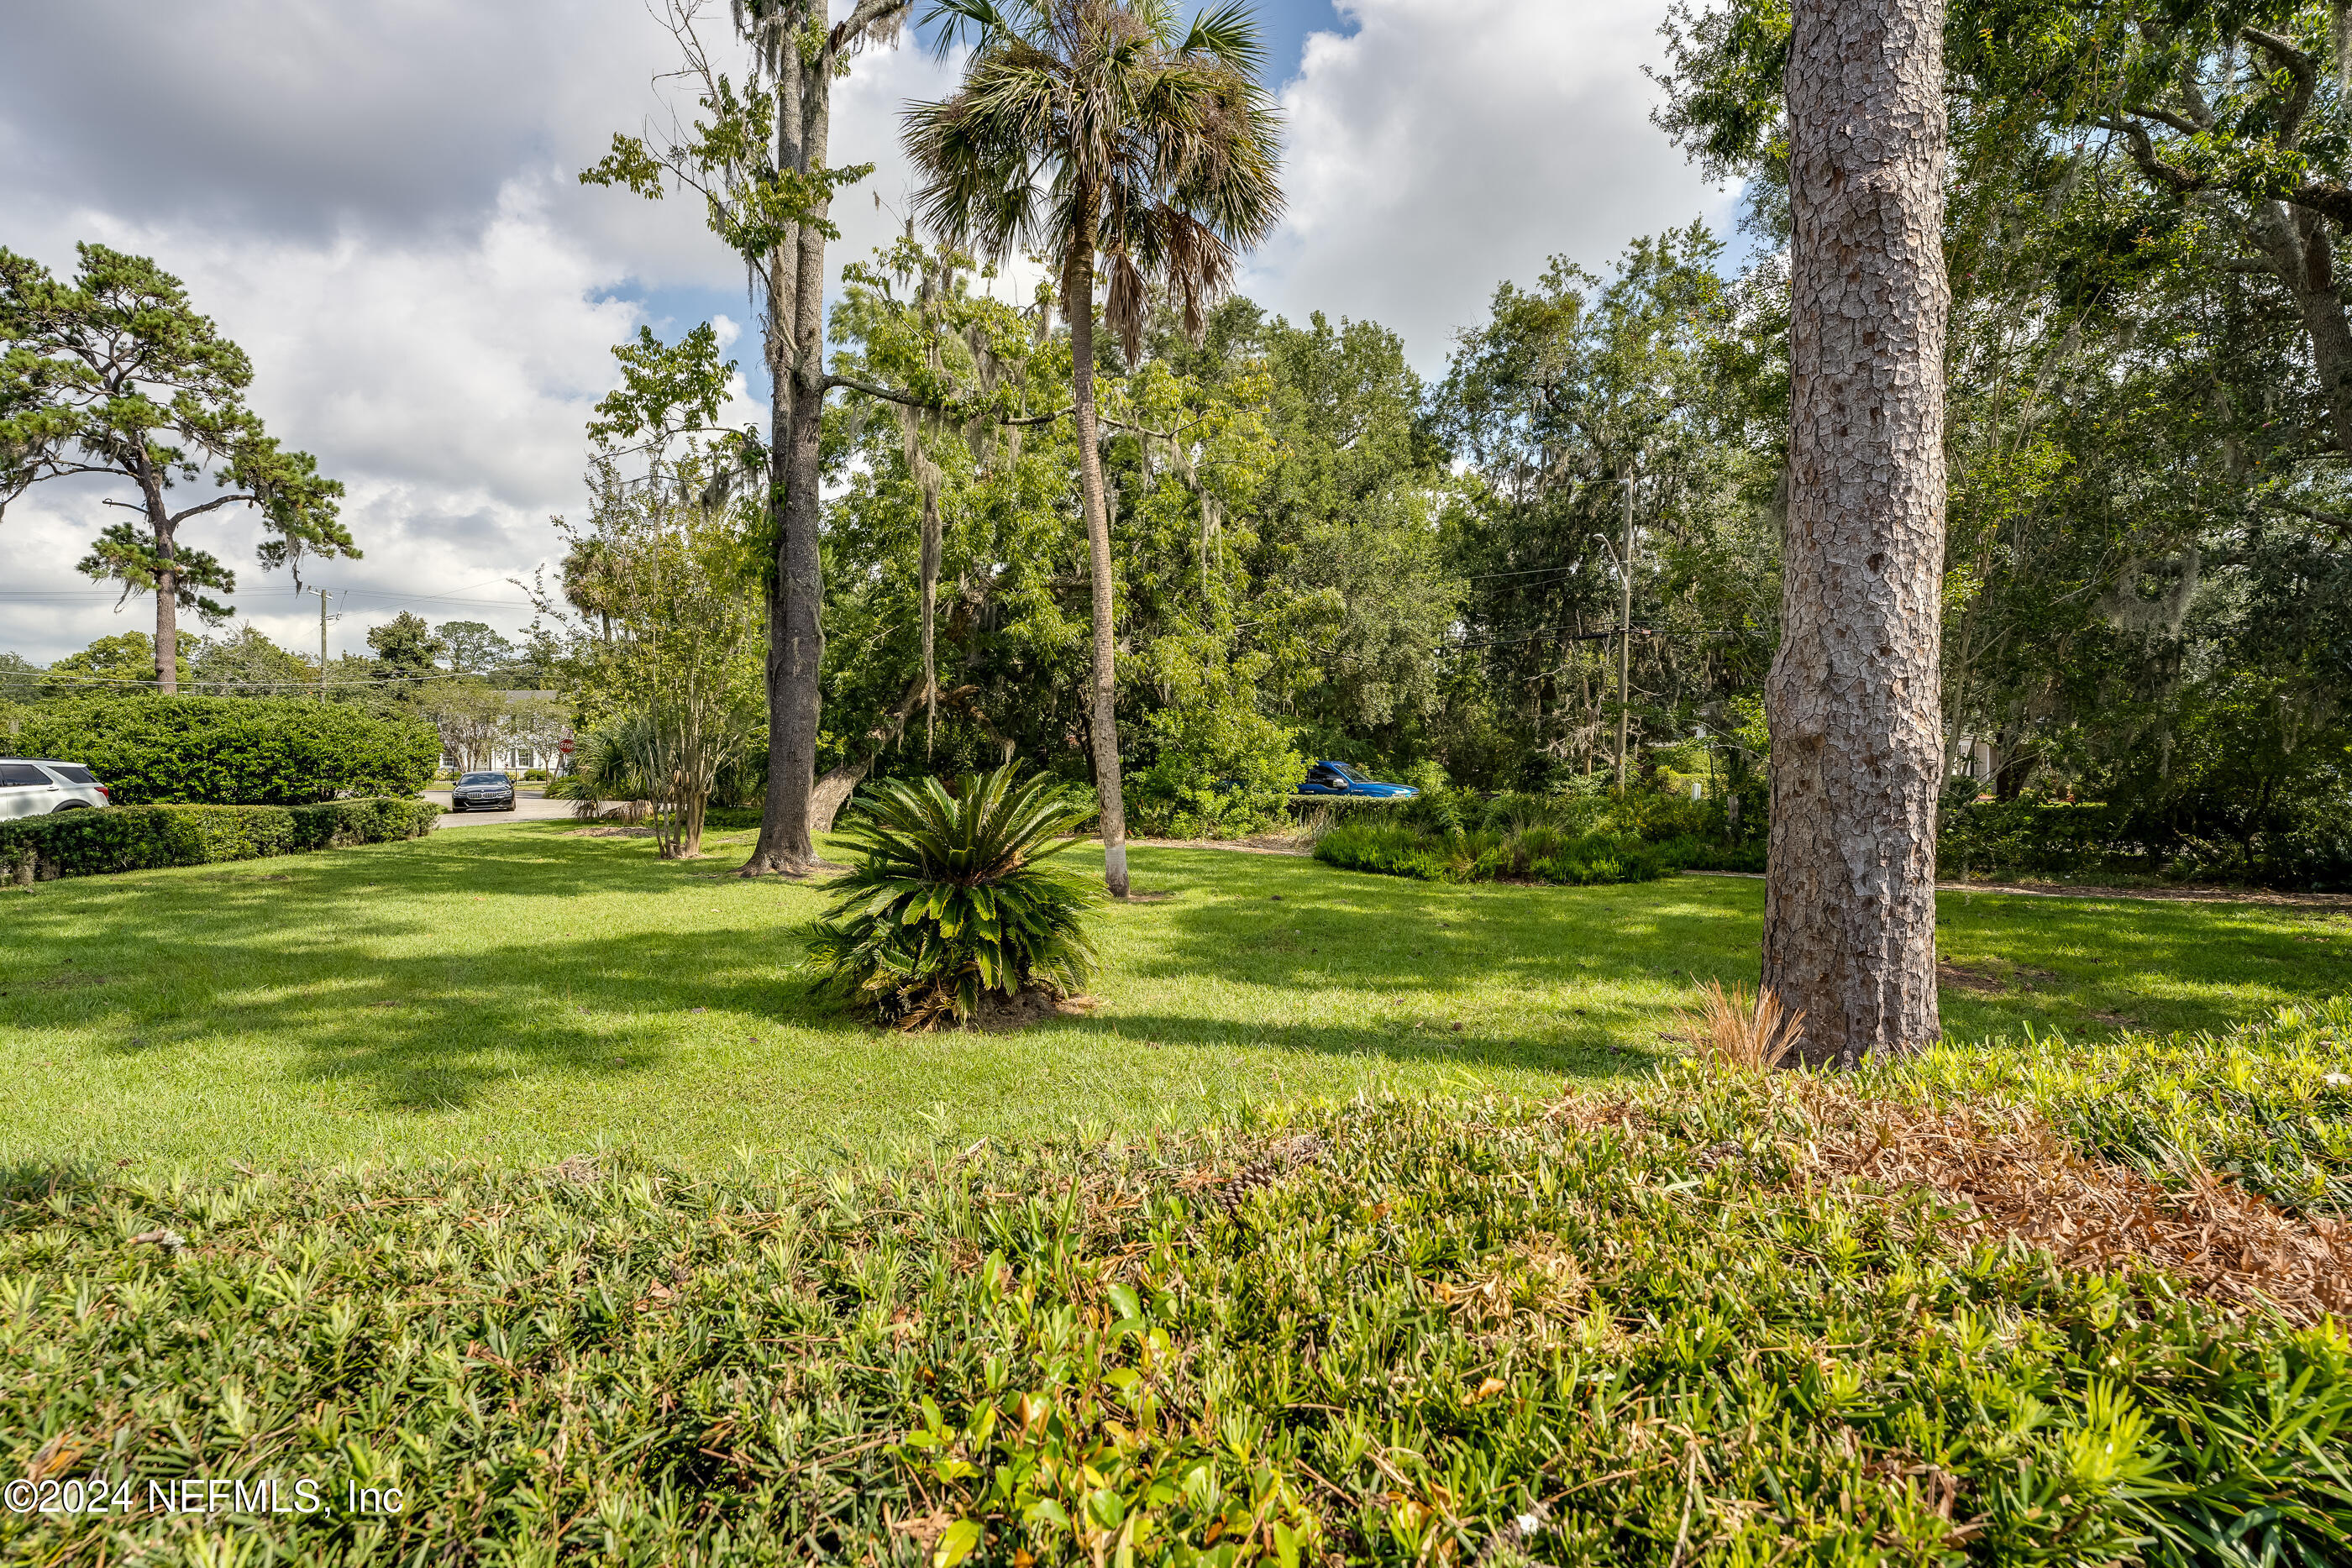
pixel 379 203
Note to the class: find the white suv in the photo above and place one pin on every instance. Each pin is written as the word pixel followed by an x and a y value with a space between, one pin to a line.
pixel 34 788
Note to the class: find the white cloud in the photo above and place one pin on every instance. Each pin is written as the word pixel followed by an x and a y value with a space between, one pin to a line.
pixel 446 383
pixel 380 204
pixel 1448 144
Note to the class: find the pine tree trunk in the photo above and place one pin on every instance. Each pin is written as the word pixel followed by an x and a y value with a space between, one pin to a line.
pixel 1080 305
pixel 167 586
pixel 167 629
pixel 1853 698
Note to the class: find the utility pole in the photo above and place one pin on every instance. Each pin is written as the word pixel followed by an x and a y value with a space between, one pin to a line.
pixel 322 640
pixel 1626 637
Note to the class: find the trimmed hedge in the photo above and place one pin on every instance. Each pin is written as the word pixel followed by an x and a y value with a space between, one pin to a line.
pixel 232 751
pixel 138 838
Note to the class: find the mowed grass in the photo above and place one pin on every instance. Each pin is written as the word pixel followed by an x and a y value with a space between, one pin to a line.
pixel 515 995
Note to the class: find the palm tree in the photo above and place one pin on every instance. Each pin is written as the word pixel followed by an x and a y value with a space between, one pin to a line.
pixel 1090 128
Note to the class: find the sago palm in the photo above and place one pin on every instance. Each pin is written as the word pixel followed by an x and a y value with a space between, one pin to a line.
pixel 1102 129
pixel 950 899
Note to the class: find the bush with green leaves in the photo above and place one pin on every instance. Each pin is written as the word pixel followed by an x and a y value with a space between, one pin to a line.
pixel 952 899
pixel 141 837
pixel 1534 852
pixel 232 751
pixel 1217 769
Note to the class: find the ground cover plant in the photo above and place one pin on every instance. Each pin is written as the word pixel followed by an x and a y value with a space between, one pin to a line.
pixel 954 899
pixel 2263 1104
pixel 1712 1317
pixel 518 993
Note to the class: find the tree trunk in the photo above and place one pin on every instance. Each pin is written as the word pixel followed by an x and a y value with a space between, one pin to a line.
pixel 167 594
pixel 2296 242
pixel 1849 906
pixel 167 628
pixel 796 592
pixel 1079 304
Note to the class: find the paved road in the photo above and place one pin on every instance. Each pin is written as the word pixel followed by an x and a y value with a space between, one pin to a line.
pixel 530 807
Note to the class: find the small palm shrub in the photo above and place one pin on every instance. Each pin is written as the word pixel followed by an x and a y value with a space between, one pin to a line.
pixel 951 900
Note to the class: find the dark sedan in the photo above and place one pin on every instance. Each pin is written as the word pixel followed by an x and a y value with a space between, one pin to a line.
pixel 483 792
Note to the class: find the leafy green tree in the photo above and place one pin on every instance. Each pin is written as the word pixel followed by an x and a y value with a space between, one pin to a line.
pixel 1101 129
pixel 116 664
pixel 114 374
pixel 2229 121
pixel 1569 390
pixel 407 650
pixel 248 664
pixel 1345 590
pixel 471 647
pixel 20 680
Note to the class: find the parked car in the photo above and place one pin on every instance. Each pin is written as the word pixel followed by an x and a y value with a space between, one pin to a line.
pixel 482 792
pixel 35 787
pixel 1339 779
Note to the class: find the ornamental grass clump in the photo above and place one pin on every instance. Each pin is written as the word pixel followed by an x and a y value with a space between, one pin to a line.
pixel 951 903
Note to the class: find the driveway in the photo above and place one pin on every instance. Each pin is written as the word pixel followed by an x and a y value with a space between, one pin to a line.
pixel 529 806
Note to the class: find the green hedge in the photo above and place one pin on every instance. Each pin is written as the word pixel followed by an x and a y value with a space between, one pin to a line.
pixel 1535 854
pixel 137 838
pixel 232 751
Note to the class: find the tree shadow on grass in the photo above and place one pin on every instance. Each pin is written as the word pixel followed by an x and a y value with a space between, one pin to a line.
pixel 267 948
pixel 2085 967
pixel 322 953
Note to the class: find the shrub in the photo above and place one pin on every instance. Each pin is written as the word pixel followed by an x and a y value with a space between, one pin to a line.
pixel 1391 849
pixel 250 751
pixel 1221 768
pixel 1536 852
pixel 950 901
pixel 138 838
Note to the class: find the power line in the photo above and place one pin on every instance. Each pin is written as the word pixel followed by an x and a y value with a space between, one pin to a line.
pixel 397 599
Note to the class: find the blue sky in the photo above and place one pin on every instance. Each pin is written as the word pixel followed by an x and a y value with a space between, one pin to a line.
pixel 379 203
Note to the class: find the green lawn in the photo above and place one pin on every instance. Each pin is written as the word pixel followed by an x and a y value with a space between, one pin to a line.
pixel 516 994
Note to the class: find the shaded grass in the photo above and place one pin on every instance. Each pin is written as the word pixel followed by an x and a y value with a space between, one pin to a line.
pixel 515 995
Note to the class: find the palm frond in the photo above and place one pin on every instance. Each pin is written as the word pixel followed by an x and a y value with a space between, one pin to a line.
pixel 1229 33
pixel 1101 128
